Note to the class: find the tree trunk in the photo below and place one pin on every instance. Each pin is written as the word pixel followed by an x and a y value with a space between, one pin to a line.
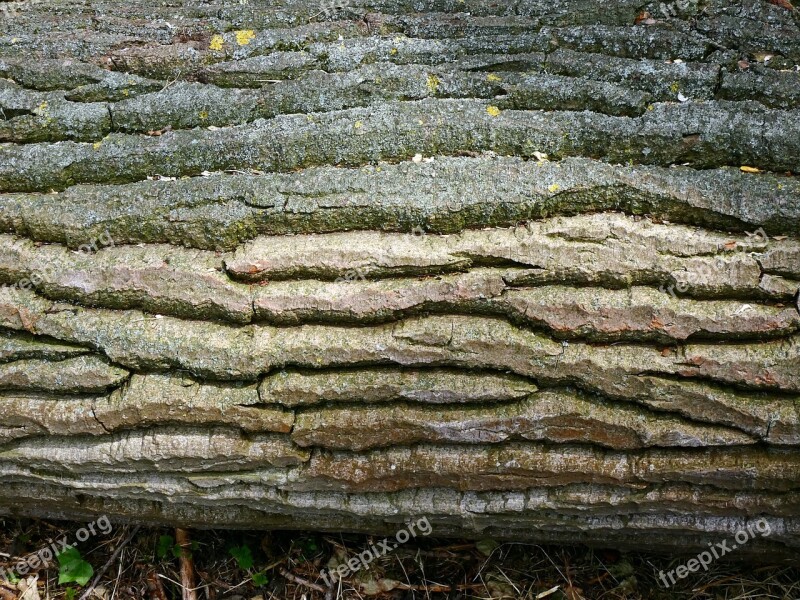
pixel 529 293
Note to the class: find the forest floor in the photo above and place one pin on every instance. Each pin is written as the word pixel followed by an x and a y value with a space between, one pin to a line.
pixel 126 562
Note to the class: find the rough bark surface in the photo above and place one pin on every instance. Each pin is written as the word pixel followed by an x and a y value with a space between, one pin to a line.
pixel 281 264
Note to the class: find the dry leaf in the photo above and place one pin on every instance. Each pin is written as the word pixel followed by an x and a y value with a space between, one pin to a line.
pixel 29 588
pixel 747 169
pixel 730 245
pixel 101 593
pixel 374 587
pixel 782 3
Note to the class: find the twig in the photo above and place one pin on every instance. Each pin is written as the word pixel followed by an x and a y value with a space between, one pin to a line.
pixel 169 83
pixel 108 564
pixel 187 564
pixel 301 581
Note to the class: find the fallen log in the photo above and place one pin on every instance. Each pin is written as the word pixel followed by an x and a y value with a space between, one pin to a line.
pixel 530 271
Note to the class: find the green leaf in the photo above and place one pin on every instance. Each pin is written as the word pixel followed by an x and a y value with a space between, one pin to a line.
pixel 165 544
pixel 308 547
pixel 486 546
pixel 70 593
pixel 72 568
pixel 621 569
pixel 260 579
pixel 243 557
pixel 177 551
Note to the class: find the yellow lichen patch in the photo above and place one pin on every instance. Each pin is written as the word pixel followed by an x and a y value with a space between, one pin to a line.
pixel 217 42
pixel 245 36
pixel 493 78
pixel 126 92
pixel 393 51
pixel 358 125
pixel 42 107
pixel 554 188
pixel 432 83
pixel 493 111
pixel 203 114
pixel 674 87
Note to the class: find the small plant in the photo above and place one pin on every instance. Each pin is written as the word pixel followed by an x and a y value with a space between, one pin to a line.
pixel 308 547
pixel 72 568
pixel 168 546
pixel 244 558
pixel 12 578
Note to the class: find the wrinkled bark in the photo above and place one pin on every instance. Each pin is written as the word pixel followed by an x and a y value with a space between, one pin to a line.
pixel 233 293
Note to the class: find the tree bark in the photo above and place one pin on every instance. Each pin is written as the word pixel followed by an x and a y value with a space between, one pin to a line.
pixel 529 269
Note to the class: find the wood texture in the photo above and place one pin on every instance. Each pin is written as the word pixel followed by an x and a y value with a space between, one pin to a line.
pixel 495 263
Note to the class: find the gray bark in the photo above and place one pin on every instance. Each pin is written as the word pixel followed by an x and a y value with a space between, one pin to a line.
pixel 496 263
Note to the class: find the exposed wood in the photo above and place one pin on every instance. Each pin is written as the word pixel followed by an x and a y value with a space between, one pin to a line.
pixel 183 540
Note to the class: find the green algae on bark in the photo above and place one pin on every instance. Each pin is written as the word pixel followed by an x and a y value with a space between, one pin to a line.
pixel 80 375
pixel 435 386
pixel 19 347
pixel 220 211
pixel 705 135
